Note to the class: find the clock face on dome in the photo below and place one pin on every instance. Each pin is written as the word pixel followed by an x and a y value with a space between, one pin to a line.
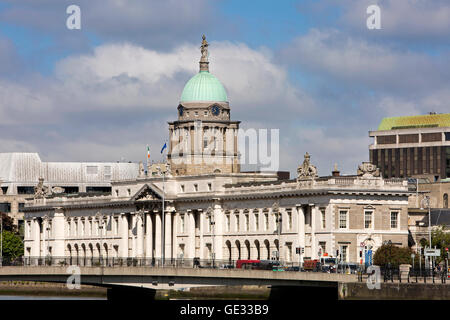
pixel 215 110
pixel 180 111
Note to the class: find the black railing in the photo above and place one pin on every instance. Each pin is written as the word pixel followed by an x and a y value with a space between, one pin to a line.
pixel 408 276
pixel 176 263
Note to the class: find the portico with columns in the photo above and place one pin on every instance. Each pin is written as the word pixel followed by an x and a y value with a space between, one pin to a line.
pixel 196 208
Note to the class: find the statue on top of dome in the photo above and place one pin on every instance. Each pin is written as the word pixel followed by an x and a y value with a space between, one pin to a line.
pixel 204 49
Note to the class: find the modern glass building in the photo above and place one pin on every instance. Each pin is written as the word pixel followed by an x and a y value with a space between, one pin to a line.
pixel 413 146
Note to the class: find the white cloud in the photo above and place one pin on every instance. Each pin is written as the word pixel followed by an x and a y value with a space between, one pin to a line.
pixel 121 96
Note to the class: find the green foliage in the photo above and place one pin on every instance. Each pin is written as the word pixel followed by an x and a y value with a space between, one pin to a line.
pixel 440 237
pixel 12 245
pixel 8 222
pixel 392 254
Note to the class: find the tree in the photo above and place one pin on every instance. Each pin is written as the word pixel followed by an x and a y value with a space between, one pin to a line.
pixel 8 223
pixel 392 254
pixel 12 245
pixel 440 238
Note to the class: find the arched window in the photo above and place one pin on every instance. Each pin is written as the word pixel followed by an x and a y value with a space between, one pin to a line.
pixel 445 202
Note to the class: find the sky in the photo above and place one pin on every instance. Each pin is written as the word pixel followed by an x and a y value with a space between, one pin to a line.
pixel 311 69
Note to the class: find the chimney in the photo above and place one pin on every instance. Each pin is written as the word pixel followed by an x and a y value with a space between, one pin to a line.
pixel 335 172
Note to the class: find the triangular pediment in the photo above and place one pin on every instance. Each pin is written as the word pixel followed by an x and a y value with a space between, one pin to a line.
pixel 148 192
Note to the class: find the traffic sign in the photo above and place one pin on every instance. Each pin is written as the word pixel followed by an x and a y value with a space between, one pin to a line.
pixel 432 252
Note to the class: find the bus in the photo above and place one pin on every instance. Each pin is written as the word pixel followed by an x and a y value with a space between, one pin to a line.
pixel 257 264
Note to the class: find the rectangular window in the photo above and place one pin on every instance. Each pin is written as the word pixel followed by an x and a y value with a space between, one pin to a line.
pixel 208 223
pixel 227 218
pixel 323 218
pixel 386 139
pixel 116 225
pixel 342 219
pixel 266 221
pixel 394 219
pixel 343 253
pixel 29 229
pixel 107 172
pixel 195 187
pixel 5 207
pixel 289 251
pixel 323 246
pixel 289 219
pixel 50 229
pixel 408 138
pixel 237 222
pixel 430 137
pixel 182 187
pixel 25 190
pixel 256 221
pixel 209 186
pixel 368 219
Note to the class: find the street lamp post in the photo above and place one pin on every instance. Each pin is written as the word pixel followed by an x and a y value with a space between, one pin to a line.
pixel 99 217
pixel 427 203
pixel 389 243
pixel 276 211
pixel 45 219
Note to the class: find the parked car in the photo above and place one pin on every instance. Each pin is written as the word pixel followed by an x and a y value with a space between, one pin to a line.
pixel 292 269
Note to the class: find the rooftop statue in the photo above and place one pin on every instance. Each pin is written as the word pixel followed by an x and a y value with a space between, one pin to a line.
pixel 40 191
pixel 367 169
pixel 306 170
pixel 204 49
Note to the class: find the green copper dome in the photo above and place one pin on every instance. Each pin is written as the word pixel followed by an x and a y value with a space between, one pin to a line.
pixel 204 87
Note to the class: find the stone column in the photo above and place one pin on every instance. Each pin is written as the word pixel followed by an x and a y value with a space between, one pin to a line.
pixel 149 236
pixel 301 228
pixel 133 235
pixel 140 233
pixel 201 231
pixel 158 235
pixel 58 233
pixel 218 230
pixel 191 235
pixel 168 235
pixel 123 235
pixel 175 231
pixel 35 235
pixel 314 254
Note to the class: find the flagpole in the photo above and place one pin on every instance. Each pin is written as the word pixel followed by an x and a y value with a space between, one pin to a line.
pixel 163 223
pixel 163 242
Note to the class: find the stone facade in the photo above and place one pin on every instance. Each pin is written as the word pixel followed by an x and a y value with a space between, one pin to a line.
pixel 243 212
pixel 203 209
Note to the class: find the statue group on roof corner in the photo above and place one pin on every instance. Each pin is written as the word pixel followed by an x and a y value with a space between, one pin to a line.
pixel 307 170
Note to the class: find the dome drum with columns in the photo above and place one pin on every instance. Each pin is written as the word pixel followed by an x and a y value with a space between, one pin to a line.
pixel 204 103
